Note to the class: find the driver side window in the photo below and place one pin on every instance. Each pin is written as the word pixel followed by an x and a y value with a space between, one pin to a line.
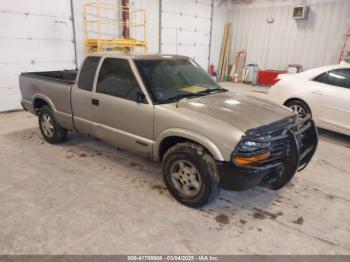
pixel 117 79
pixel 337 77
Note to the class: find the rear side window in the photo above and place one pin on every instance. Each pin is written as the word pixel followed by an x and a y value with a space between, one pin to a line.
pixel 87 73
pixel 323 78
pixel 117 79
pixel 337 77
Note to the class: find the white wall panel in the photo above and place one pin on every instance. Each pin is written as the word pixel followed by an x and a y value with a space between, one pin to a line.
pixel 185 29
pixel 152 10
pixel 34 36
pixel 313 42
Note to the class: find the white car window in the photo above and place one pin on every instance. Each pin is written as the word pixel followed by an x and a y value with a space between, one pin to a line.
pixel 337 77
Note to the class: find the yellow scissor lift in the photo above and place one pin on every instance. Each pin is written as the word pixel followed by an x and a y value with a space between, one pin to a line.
pixel 103 28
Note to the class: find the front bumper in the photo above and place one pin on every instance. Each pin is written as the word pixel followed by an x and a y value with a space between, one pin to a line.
pixel 300 143
pixel 239 179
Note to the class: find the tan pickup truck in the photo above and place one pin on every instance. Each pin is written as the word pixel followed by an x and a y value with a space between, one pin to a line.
pixel 167 107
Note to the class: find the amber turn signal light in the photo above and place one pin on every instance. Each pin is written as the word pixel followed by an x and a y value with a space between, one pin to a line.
pixel 243 161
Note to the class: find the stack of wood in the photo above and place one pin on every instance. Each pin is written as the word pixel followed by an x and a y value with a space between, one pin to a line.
pixel 223 67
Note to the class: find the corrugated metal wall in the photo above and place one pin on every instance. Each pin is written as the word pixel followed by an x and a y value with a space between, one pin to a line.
pixel 313 42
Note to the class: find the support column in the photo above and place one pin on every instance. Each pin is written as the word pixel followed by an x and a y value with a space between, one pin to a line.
pixel 126 21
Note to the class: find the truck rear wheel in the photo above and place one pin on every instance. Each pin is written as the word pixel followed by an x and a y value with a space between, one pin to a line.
pixel 190 174
pixel 50 129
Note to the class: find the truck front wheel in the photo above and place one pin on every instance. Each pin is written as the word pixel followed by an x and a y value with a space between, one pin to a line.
pixel 190 174
pixel 50 129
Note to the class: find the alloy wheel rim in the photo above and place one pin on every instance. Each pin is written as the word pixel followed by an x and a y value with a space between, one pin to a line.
pixel 47 125
pixel 185 178
pixel 298 109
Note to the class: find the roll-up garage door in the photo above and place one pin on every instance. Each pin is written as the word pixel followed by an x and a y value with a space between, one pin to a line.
pixel 186 28
pixel 35 35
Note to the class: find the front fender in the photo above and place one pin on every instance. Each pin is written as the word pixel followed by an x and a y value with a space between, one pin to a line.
pixel 188 134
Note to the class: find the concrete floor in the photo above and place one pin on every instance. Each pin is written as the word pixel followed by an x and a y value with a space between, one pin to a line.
pixel 86 197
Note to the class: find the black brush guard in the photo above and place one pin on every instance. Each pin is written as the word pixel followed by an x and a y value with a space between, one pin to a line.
pixel 292 143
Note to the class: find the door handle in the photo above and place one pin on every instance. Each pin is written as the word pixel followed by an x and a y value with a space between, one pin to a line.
pixel 95 102
pixel 317 92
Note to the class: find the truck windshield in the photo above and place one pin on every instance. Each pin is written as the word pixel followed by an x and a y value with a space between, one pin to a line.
pixel 170 80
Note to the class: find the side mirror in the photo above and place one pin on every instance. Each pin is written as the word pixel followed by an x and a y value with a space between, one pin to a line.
pixel 140 97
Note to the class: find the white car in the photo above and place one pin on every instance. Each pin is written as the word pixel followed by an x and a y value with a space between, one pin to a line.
pixel 323 92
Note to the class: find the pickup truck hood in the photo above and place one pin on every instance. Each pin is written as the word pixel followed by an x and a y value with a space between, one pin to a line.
pixel 238 110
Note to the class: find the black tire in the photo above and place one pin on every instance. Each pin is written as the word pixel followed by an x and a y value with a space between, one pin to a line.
pixel 59 134
pixel 296 103
pixel 205 166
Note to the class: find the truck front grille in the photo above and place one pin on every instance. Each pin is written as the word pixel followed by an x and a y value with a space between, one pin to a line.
pixel 279 139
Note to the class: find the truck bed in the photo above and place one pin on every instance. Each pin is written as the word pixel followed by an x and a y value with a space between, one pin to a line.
pixel 52 87
pixel 64 77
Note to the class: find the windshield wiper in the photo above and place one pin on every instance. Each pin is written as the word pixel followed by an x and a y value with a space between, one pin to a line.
pixel 187 95
pixel 213 90
pixel 179 97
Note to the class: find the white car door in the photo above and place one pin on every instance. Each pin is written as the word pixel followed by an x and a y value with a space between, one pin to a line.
pixel 330 93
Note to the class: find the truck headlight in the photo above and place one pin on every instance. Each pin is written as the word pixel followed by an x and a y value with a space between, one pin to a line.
pixel 254 144
pixel 249 145
pixel 250 151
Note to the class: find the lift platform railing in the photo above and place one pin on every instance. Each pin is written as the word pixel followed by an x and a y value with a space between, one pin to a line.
pixel 103 28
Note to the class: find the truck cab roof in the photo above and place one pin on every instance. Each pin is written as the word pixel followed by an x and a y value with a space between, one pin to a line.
pixel 138 56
